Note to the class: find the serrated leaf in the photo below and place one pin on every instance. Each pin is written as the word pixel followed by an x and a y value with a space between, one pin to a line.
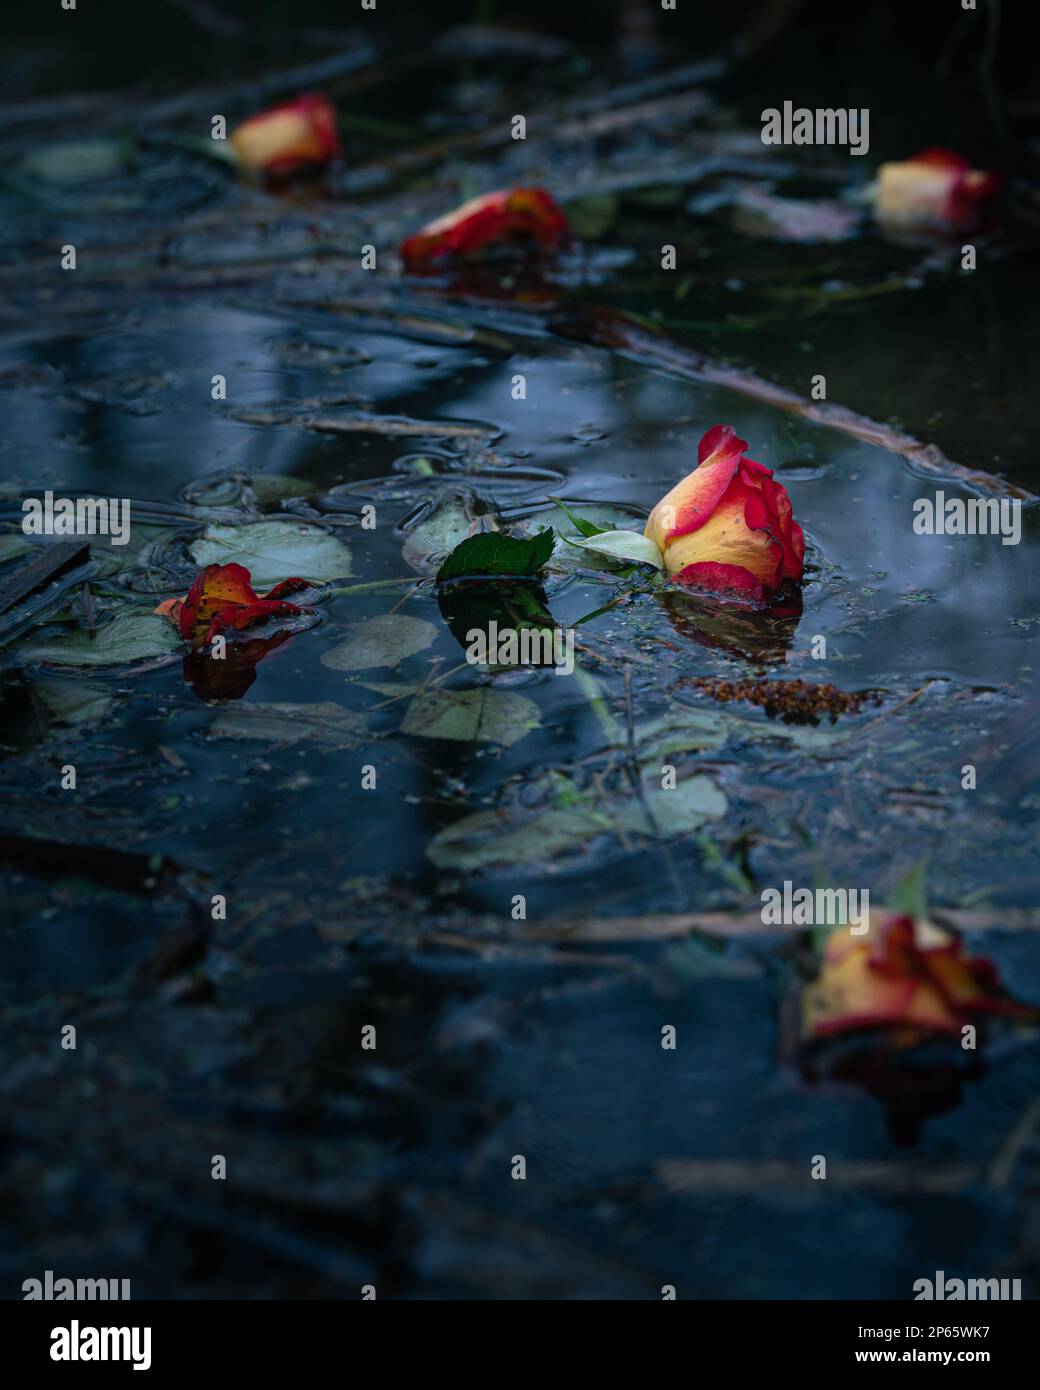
pixel 495 555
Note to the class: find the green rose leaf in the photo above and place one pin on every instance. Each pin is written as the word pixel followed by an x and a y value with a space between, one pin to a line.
pixel 496 555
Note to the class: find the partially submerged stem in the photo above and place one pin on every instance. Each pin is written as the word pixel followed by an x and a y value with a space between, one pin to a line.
pixel 590 688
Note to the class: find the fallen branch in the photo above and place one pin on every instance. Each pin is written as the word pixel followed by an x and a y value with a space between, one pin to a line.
pixel 613 329
pixel 671 926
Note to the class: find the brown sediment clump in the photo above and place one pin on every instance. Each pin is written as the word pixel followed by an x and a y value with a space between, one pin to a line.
pixel 795 699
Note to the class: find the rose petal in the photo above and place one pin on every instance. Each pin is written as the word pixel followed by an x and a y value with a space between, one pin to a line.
pixel 904 974
pixel 235 616
pixel 171 608
pixel 512 214
pixel 295 135
pixel 729 514
pixel 935 189
pixel 726 538
pixel 692 501
pixel 214 588
pixel 222 591
pixel 721 579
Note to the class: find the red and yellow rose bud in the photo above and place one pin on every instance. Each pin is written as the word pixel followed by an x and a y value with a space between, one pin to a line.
pixel 937 190
pixel 905 975
pixel 728 526
pixel 222 599
pixel 512 215
pixel 289 138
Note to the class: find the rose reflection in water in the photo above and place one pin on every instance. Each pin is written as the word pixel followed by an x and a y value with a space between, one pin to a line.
pixel 759 635
pixel 231 676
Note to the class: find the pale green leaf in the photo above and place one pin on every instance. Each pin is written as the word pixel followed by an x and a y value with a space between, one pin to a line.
pixel 275 550
pixel 623 545
pixel 384 641
pixel 133 636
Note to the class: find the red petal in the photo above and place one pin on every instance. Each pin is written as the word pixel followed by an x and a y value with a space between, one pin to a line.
pixel 235 616
pixel 295 135
pixel 214 588
pixel 720 438
pixel 695 499
pixel 721 579
pixel 940 158
pixel 287 586
pixel 515 214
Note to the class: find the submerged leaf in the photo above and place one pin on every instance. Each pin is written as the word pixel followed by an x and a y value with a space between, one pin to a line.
pixel 435 537
pixel 592 215
pixel 488 838
pixel 75 161
pixel 493 716
pixel 63 701
pixel 324 722
pixel 384 641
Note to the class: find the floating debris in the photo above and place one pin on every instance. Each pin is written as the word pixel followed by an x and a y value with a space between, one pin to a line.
pixel 795 699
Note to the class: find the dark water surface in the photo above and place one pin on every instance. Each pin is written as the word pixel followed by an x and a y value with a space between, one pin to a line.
pixel 394 906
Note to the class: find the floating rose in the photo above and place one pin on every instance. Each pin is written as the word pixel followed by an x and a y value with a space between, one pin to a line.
pixel 286 139
pixel 727 527
pixel 905 975
pixel 516 214
pixel 937 190
pixel 222 599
